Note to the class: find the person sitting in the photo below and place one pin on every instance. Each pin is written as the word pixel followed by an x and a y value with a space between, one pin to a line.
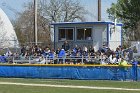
pixel 51 56
pixel 123 62
pixel 113 59
pixel 42 60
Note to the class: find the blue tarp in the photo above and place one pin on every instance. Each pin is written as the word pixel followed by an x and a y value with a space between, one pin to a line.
pixel 69 72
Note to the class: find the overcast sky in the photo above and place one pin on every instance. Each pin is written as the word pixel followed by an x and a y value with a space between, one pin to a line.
pixel 10 7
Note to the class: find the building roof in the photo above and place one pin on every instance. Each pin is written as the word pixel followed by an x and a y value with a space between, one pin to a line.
pixel 98 22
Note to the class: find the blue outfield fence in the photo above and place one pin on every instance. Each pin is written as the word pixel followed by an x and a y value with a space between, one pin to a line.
pixel 70 72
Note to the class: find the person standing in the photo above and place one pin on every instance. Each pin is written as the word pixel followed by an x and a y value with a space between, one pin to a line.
pixel 61 56
pixel 123 63
pixel 66 46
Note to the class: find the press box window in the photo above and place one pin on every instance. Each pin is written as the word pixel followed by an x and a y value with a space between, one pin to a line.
pixel 84 33
pixel 66 34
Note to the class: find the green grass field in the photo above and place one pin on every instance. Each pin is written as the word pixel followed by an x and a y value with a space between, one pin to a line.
pixel 7 88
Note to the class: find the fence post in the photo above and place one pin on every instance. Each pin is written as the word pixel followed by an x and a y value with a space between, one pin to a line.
pixel 13 60
pixel 135 72
pixel 82 59
pixel 57 59
pixel 64 59
pixel 46 59
pixel 29 60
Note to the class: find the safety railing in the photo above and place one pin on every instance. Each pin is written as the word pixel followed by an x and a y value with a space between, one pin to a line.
pixel 56 60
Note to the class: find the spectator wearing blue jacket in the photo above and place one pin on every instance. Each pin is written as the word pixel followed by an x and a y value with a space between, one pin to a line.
pixel 62 55
pixel 3 59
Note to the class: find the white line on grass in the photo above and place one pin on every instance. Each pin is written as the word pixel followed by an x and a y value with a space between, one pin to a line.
pixel 68 86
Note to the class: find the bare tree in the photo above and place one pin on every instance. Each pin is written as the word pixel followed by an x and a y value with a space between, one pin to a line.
pixel 63 10
pixel 24 26
pixel 48 11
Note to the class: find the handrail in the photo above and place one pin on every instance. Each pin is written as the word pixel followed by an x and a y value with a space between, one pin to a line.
pixel 64 59
pixel 60 60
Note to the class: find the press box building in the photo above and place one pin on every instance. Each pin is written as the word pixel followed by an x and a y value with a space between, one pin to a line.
pixel 88 34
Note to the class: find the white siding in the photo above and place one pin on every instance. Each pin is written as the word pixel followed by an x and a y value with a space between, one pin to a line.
pixel 114 36
pixel 99 32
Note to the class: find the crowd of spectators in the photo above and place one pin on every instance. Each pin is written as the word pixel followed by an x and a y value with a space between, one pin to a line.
pixel 76 55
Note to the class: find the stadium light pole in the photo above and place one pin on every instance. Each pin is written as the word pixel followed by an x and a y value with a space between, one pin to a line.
pixel 35 22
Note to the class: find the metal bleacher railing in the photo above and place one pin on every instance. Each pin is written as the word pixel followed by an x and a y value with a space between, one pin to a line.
pixel 56 60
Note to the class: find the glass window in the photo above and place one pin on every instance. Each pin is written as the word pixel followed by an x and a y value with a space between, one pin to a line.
pixel 66 34
pixel 84 33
